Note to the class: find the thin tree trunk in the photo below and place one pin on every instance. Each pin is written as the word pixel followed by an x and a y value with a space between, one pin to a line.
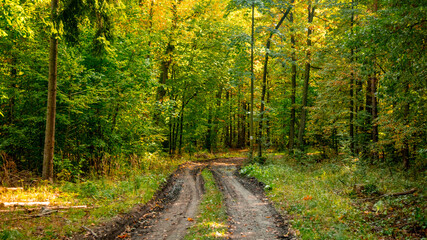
pixel 228 128
pixel 209 131
pixel 264 83
pixel 405 150
pixel 51 100
pixel 306 81
pixel 374 101
pixel 170 134
pixel 215 121
pixel 374 83
pixel 181 126
pixel 293 86
pixel 251 122
pixel 351 120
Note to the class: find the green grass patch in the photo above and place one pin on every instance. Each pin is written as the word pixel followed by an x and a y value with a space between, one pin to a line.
pixel 212 220
pixel 105 198
pixel 323 201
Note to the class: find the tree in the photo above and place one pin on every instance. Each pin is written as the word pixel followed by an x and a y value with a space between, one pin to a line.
pixel 303 117
pixel 264 80
pixel 51 100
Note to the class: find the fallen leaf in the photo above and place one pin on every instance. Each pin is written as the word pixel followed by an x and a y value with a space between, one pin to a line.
pixel 190 219
pixel 308 197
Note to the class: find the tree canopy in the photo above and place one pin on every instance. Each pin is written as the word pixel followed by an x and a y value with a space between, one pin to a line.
pixel 173 77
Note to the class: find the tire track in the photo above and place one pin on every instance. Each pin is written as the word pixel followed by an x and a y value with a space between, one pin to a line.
pixel 172 223
pixel 250 216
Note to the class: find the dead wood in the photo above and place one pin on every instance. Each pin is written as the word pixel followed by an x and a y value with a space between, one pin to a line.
pixel 49 208
pixel 42 214
pixel 7 204
pixel 411 191
pixel 91 231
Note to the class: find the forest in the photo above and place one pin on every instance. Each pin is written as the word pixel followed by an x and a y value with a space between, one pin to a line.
pixel 94 89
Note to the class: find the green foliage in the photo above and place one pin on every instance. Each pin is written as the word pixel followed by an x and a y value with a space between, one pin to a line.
pixel 320 199
pixel 10 235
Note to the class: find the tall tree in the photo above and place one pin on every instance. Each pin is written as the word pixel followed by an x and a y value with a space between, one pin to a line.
pixel 303 117
pixel 251 121
pixel 264 81
pixel 293 83
pixel 51 100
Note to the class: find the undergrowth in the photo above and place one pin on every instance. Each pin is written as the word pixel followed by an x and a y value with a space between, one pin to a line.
pixel 212 220
pixel 344 199
pixel 129 182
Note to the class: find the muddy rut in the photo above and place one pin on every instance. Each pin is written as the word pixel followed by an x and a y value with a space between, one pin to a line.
pixel 175 208
pixel 251 216
pixel 173 222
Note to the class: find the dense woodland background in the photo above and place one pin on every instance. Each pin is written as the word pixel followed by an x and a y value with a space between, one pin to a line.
pixel 172 77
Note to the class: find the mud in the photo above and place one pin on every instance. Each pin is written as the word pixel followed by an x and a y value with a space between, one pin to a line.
pixel 175 207
pixel 251 215
pixel 177 217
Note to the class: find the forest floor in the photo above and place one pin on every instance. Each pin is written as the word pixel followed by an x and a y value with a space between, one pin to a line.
pixel 225 198
pixel 177 207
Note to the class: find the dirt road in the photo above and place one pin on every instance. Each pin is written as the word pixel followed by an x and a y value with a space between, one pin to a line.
pixel 172 223
pixel 251 215
pixel 169 215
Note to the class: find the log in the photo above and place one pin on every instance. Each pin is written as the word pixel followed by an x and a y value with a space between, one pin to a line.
pixel 49 208
pixel 7 204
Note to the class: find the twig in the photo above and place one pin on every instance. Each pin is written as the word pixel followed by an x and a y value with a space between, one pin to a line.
pixel 400 193
pixel 91 231
pixel 392 194
pixel 33 216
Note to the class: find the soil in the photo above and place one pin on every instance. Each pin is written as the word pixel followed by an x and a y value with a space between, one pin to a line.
pixel 175 207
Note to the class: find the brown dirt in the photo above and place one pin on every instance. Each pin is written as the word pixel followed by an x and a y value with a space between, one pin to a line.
pixel 177 217
pixel 175 207
pixel 251 215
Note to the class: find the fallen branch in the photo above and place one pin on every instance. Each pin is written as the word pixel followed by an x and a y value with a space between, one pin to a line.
pixel 43 214
pixel 49 208
pixel 411 191
pixel 91 231
pixel 400 193
pixel 7 204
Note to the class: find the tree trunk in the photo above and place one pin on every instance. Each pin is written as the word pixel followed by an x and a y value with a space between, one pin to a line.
pixel 228 128
pixel 215 128
pixel 351 108
pixel 181 126
pixel 405 150
pixel 264 83
pixel 374 83
pixel 293 86
pixel 306 81
pixel 251 122
pixel 374 101
pixel 208 143
pixel 51 100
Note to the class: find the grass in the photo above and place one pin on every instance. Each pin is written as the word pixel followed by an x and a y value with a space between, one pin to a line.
pixel 322 202
pixel 212 220
pixel 106 197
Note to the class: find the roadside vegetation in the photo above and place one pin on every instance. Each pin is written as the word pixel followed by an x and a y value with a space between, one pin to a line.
pixel 212 220
pixel 82 202
pixel 345 198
